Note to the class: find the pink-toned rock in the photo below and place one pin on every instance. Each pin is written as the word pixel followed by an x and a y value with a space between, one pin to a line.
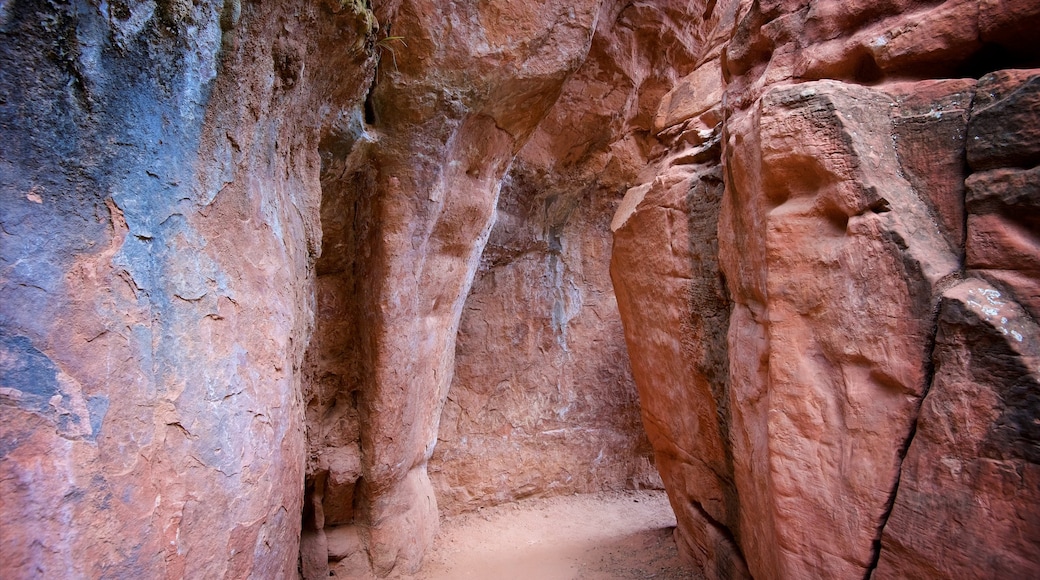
pixel 697 94
pixel 930 125
pixel 343 542
pixel 1003 203
pixel 160 223
pixel 542 396
pixel 817 186
pixel 974 463
pixel 542 400
pixel 845 210
pixel 675 311
pixel 243 269
pixel 999 243
pixel 422 190
pixel 925 41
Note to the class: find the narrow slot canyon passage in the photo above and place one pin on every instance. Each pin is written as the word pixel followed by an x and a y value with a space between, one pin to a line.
pixel 576 289
pixel 468 350
pixel 541 401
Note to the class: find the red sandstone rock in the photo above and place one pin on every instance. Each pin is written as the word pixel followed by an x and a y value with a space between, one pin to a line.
pixel 1001 132
pixel 1010 24
pixel 1001 247
pixel 974 463
pixel 693 96
pixel 929 128
pixel 836 199
pixel 448 114
pixel 679 288
pixel 819 179
pixel 542 396
pixel 171 173
pixel 153 318
pixel 542 400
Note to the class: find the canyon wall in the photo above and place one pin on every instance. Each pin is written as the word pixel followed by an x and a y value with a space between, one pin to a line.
pixel 238 243
pixel 838 384
pixel 283 280
pixel 160 214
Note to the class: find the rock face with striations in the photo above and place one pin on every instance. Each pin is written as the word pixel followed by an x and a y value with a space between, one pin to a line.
pixel 160 218
pixel 279 279
pixel 851 319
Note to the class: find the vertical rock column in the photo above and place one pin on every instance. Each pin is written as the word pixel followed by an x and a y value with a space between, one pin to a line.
pixel 459 90
pixel 433 224
pixel 671 295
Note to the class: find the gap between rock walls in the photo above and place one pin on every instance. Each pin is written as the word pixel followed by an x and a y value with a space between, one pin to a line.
pixel 413 184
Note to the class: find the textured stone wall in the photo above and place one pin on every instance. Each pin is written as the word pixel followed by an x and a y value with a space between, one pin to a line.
pixel 868 412
pixel 239 239
pixel 160 218
pixel 278 278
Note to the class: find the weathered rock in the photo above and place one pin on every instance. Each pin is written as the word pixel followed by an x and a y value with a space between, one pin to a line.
pixel 844 218
pixel 698 93
pixel 974 463
pixel 542 398
pixel 847 249
pixel 171 172
pixel 680 288
pixel 1010 25
pixel 1004 206
pixel 1002 131
pixel 1003 203
pixel 929 128
pixel 160 221
pixel 445 118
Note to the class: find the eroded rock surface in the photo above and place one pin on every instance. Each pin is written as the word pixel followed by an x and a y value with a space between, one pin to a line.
pixel 448 111
pixel 974 458
pixel 160 218
pixel 849 211
pixel 279 278
pixel 543 396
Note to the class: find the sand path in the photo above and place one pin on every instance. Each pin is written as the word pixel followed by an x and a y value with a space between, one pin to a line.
pixel 605 536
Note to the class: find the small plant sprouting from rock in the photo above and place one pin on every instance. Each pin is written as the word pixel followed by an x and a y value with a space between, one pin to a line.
pixel 386 43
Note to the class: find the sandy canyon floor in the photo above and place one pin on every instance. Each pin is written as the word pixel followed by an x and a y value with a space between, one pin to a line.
pixel 605 536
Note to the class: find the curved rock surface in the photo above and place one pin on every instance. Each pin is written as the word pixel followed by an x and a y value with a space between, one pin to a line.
pixel 280 281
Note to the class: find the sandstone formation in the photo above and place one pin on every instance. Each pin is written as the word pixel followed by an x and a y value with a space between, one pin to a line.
pixel 261 224
pixel 282 281
pixel 841 235
pixel 160 211
pixel 543 396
